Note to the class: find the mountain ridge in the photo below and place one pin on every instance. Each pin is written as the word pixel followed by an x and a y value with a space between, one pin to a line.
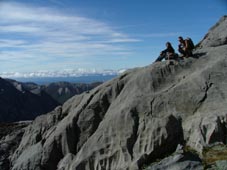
pixel 25 101
pixel 18 103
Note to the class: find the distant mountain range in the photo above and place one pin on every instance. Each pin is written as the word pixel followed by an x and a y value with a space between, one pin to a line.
pixel 24 101
pixel 62 91
pixel 80 79
pixel 18 103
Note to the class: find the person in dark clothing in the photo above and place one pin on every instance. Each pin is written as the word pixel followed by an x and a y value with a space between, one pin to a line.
pixel 168 53
pixel 181 46
pixel 185 47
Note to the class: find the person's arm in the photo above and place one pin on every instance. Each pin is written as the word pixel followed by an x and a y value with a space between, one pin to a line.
pixel 164 51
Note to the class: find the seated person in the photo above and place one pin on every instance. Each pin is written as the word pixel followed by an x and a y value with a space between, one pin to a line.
pixel 168 53
pixel 185 47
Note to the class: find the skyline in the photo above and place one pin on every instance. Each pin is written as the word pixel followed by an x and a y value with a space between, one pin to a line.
pixel 53 35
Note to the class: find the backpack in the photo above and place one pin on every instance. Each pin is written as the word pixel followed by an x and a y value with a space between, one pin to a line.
pixel 190 43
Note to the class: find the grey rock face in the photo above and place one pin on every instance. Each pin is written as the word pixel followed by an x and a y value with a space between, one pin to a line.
pixel 134 119
pixel 10 137
pixel 217 35
pixel 186 161
pixel 206 130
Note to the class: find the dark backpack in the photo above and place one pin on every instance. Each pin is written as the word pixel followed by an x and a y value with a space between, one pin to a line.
pixel 190 43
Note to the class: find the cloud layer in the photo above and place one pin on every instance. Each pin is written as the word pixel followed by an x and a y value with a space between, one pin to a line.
pixel 35 38
pixel 60 73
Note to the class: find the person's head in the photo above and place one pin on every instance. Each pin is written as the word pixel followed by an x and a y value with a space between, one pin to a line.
pixel 168 44
pixel 180 39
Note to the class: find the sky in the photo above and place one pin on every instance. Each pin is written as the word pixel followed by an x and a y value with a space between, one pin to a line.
pixel 50 36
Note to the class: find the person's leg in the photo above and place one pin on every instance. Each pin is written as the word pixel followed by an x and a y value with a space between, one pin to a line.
pixel 160 58
pixel 182 52
pixel 176 57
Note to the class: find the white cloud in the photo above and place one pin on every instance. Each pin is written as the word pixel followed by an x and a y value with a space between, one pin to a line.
pixel 43 34
pixel 11 43
pixel 19 29
pixel 61 73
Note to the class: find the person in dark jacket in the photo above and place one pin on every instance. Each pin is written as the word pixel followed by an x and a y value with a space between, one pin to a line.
pixel 185 48
pixel 168 53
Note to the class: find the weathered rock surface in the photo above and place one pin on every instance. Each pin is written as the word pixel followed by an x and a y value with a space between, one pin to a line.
pixel 136 118
pixel 178 161
pixel 217 34
pixel 10 137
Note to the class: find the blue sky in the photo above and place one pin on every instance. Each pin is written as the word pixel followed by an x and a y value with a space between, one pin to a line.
pixel 53 35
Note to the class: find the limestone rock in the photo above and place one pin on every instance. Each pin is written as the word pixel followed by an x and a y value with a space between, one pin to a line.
pixel 186 161
pixel 205 130
pixel 65 162
pixel 217 35
pixel 10 137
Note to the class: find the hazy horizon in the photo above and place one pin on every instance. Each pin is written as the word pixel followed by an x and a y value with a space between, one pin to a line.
pixel 88 79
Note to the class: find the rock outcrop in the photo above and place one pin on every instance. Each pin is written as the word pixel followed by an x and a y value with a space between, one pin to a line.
pixel 138 118
pixel 10 137
pixel 216 35
pixel 180 160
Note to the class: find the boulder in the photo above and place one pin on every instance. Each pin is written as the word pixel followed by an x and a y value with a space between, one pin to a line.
pixel 178 161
